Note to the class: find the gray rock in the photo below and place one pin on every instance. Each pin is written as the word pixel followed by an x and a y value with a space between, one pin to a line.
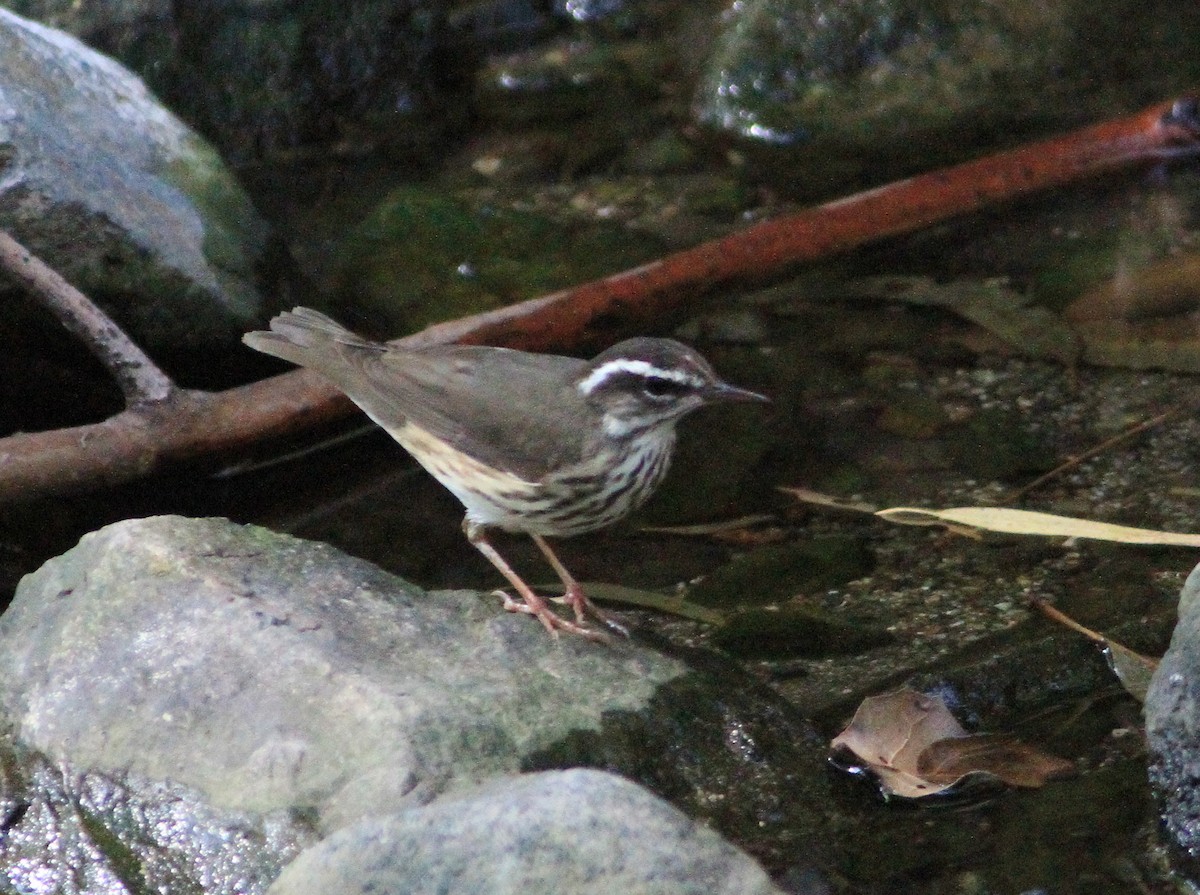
pixel 1173 731
pixel 120 196
pixel 277 677
pixel 265 78
pixel 579 831
pixel 268 672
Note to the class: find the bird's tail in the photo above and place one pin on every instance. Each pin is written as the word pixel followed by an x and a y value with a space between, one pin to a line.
pixel 299 334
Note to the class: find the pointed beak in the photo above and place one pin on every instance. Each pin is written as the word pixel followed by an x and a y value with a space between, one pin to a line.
pixel 723 391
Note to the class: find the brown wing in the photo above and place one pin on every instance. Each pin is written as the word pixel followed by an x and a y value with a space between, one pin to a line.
pixel 514 410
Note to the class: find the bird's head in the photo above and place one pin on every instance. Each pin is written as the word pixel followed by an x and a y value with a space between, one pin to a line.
pixel 646 383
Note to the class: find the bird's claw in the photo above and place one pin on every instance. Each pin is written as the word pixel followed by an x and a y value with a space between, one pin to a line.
pixel 578 600
pixel 553 622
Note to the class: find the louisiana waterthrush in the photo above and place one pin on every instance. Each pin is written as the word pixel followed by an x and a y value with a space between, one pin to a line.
pixel 535 443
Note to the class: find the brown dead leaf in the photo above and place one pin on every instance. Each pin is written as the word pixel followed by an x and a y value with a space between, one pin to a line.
pixel 992 304
pixel 916 748
pixel 896 726
pixel 890 732
pixel 1132 669
pixel 1166 288
pixel 999 755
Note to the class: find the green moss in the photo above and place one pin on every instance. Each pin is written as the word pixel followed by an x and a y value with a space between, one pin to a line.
pixel 119 858
pixel 234 234
pixel 421 256
pixel 827 96
pixel 554 84
pixel 1066 270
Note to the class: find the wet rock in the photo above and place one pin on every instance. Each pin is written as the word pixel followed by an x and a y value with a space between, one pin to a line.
pixel 121 197
pixel 272 674
pixel 781 66
pixel 555 82
pixel 578 831
pixel 1014 673
pixel 73 832
pixel 591 10
pixel 856 92
pixel 796 631
pixel 184 649
pixel 1173 732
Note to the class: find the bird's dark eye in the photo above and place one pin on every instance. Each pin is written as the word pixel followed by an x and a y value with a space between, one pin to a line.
pixel 657 387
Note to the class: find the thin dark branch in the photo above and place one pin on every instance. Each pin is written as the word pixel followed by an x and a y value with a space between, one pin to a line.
pixel 138 377
pixel 1108 444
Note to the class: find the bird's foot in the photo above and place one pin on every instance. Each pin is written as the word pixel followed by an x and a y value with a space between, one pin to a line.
pixel 578 600
pixel 552 621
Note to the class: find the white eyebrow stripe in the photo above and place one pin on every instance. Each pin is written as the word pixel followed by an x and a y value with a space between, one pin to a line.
pixel 637 368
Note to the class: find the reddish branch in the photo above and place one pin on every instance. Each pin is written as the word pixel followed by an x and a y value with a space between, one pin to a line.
pixel 184 425
pixel 767 250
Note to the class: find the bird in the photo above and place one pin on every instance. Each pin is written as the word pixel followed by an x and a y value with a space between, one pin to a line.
pixel 539 444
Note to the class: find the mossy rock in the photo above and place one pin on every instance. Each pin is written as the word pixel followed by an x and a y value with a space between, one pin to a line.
pixel 796 632
pixel 780 571
pixel 912 415
pixel 997 445
pixel 421 256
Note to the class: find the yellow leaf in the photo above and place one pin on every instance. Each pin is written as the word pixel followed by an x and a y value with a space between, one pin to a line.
pixel 1027 522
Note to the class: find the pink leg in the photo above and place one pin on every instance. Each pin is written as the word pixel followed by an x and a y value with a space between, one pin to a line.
pixel 574 595
pixel 533 605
